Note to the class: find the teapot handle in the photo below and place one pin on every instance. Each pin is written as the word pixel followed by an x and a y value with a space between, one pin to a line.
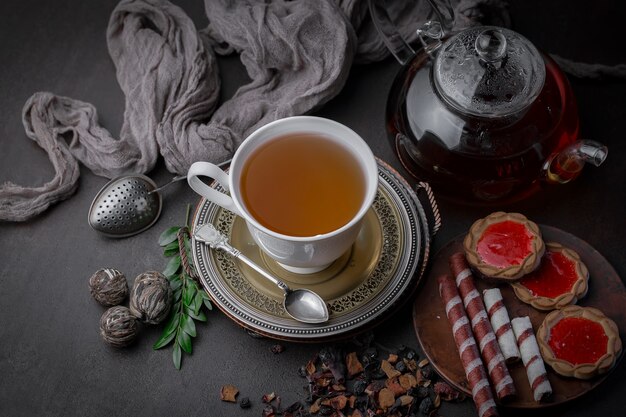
pixel 396 44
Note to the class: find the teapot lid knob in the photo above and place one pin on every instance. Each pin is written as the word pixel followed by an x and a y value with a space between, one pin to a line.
pixel 491 45
pixel 488 72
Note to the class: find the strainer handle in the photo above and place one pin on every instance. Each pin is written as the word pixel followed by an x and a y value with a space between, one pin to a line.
pixel 207 169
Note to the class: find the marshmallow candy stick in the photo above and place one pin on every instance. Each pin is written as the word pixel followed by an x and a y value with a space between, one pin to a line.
pixel 535 369
pixel 501 324
pixel 487 342
pixel 466 345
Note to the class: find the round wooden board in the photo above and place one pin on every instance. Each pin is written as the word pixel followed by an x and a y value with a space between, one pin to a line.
pixel 434 333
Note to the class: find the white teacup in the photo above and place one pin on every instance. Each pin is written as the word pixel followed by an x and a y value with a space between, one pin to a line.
pixel 297 254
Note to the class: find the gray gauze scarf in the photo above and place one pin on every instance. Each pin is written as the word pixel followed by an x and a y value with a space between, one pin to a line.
pixel 297 55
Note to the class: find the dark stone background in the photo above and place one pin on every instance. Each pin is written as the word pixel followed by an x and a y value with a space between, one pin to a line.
pixel 52 361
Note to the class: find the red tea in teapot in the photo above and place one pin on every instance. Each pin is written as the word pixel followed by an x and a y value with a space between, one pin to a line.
pixel 472 159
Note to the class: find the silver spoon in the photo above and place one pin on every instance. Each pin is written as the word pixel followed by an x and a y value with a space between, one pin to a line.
pixel 301 304
pixel 128 205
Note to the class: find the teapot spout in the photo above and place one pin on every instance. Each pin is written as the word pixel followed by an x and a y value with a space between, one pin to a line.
pixel 567 164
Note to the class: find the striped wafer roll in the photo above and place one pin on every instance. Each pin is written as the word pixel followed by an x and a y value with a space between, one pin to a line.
pixel 466 345
pixel 501 324
pixel 487 342
pixel 535 369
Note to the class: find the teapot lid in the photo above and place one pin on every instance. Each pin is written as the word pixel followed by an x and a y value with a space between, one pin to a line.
pixel 489 72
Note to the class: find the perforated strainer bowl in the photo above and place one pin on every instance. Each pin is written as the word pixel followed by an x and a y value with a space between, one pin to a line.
pixel 125 206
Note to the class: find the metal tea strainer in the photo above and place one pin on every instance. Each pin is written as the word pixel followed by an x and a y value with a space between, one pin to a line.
pixel 128 205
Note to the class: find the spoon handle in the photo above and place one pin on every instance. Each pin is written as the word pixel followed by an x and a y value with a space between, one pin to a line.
pixel 208 234
pixel 237 254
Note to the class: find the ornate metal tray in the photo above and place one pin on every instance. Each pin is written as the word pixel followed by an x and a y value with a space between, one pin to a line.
pixel 363 286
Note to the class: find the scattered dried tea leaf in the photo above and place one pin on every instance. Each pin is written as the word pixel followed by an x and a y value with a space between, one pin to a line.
pixel 315 407
pixel 339 402
pixel 268 411
pixel 357 413
pixel 386 398
pixel 310 368
pixel 388 369
pixel 338 387
pixel 323 381
pixel 353 364
pixel 277 348
pixel 332 359
pixel 245 402
pixel 229 393
pixel 374 387
pixel 437 402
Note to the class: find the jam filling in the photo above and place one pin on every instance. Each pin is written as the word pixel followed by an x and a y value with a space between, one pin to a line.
pixel 555 276
pixel 578 340
pixel 504 244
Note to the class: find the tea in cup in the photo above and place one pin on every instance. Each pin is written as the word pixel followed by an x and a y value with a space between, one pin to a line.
pixel 302 184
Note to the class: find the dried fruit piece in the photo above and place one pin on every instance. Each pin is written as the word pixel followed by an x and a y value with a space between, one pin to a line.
pixel 229 393
pixel 388 369
pixel 386 398
pixel 268 411
pixel 404 400
pixel 423 363
pixel 353 364
pixel 395 387
pixel 374 387
pixel 392 359
pixel 401 366
pixel 426 406
pixel 315 407
pixel 407 381
pixel 268 398
pixel 359 387
pixel 339 402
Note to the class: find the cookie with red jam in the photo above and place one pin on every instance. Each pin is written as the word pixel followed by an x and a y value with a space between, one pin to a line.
pixel 504 246
pixel 561 279
pixel 579 342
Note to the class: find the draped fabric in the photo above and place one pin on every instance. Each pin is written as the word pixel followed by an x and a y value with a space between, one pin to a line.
pixel 297 54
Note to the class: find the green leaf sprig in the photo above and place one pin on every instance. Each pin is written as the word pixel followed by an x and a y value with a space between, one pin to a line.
pixel 189 299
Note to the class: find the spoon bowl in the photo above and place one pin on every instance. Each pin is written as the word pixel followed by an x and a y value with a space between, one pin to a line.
pixel 306 306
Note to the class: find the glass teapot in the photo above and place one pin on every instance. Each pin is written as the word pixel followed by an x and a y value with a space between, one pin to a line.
pixel 482 115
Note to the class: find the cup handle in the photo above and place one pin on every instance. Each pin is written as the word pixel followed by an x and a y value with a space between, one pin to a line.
pixel 207 169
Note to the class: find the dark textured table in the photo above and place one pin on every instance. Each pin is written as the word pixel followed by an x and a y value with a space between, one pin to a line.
pixel 52 360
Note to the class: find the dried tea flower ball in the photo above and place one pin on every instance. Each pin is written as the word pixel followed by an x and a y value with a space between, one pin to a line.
pixel 118 327
pixel 108 286
pixel 151 297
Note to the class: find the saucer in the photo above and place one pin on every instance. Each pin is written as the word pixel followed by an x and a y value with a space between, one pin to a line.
pixel 360 288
